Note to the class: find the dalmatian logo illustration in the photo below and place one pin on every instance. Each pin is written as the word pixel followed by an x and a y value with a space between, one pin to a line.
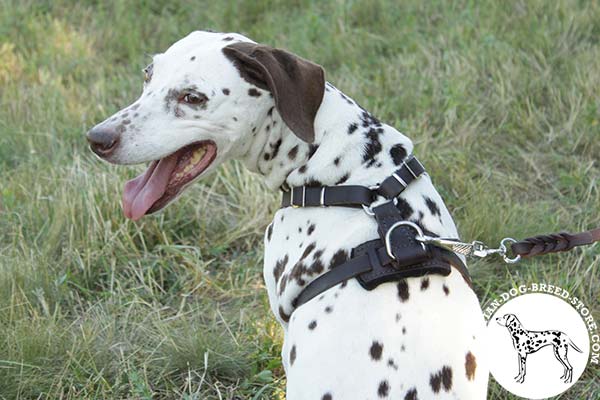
pixel 528 342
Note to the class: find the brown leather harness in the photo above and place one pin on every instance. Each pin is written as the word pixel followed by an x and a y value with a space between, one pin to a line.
pixel 404 249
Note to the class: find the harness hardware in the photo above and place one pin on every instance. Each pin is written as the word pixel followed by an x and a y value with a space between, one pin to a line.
pixel 403 248
pixel 473 249
pixel 388 245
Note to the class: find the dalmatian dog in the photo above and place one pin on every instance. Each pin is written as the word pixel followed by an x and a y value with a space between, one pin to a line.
pixel 212 97
pixel 527 342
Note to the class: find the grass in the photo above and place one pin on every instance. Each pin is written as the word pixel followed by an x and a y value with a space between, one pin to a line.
pixel 501 98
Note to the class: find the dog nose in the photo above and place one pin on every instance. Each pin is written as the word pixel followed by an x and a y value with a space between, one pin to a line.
pixel 102 141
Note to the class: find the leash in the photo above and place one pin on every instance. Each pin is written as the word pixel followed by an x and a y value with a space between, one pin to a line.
pixel 404 249
pixel 533 246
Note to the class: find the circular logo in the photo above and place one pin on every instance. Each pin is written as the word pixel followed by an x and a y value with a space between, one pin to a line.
pixel 538 345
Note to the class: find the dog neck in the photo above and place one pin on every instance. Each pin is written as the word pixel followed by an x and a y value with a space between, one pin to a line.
pixel 351 147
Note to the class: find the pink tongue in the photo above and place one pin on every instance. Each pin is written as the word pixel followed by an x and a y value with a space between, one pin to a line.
pixel 142 192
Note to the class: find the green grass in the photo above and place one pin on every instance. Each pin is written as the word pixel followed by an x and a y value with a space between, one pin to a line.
pixel 501 98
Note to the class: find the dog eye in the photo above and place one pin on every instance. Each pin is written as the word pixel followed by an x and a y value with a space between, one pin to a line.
pixel 194 98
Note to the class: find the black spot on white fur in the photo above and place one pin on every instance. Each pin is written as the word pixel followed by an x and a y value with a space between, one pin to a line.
pixel 253 92
pixel 405 209
pixel 446 290
pixel 293 152
pixel 279 268
pixel 383 389
pixel 411 394
pixel 340 257
pixel 285 317
pixel 398 154
pixel 402 287
pixel 293 355
pixel 433 207
pixel 342 179
pixel 275 148
pixel 352 128
pixel 442 378
pixel 372 147
pixel 376 350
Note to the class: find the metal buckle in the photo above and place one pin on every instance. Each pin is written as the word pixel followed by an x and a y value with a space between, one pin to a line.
pixel 400 180
pixel 303 198
pixel 292 199
pixel 322 199
pixel 409 168
pixel 388 245
pixel 303 195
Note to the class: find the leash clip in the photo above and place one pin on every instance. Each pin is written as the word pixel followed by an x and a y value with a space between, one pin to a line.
pixel 473 249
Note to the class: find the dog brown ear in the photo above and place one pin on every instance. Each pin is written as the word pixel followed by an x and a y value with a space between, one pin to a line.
pixel 297 84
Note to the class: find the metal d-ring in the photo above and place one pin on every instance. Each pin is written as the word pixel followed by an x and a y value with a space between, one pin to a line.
pixel 368 209
pixel 388 245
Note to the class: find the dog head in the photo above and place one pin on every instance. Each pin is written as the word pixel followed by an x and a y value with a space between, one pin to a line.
pixel 508 320
pixel 202 103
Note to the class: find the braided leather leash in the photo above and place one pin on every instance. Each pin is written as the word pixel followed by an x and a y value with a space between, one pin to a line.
pixel 554 243
pixel 533 246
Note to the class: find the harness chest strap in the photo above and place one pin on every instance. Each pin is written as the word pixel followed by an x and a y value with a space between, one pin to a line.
pixel 396 256
pixel 371 265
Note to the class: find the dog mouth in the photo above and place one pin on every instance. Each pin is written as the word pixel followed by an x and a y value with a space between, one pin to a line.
pixel 166 178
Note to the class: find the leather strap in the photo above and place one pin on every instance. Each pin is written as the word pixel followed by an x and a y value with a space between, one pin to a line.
pixel 353 195
pixel 395 184
pixel 337 274
pixel 554 243
pixel 372 266
pixel 348 196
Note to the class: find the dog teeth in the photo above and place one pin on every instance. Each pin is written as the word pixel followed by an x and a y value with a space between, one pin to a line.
pixel 197 155
pixel 194 159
